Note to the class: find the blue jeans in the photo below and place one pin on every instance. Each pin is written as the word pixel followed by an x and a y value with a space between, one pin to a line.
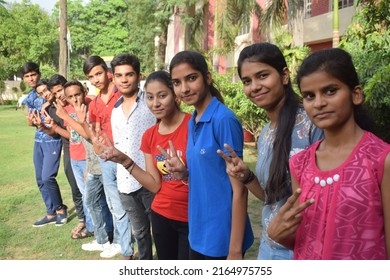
pixel 267 252
pixel 46 159
pixel 122 225
pixel 76 194
pixel 78 167
pixel 96 203
pixel 137 205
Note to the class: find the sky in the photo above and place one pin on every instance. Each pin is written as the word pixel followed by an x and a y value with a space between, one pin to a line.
pixel 47 5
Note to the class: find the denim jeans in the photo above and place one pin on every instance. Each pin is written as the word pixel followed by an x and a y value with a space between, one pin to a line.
pixel 77 197
pixel 96 203
pixel 267 252
pixel 46 159
pixel 122 224
pixel 137 205
pixel 78 167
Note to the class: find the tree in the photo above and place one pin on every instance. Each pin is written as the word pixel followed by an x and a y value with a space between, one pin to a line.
pixel 367 39
pixel 2 89
pixel 26 33
pixel 281 12
pixel 63 59
pixel 234 14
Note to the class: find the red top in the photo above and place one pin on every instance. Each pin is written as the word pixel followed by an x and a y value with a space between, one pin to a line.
pixel 171 201
pixel 100 112
pixel 76 146
pixel 346 220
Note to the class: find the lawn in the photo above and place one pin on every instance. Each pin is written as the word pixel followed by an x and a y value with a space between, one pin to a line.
pixel 21 203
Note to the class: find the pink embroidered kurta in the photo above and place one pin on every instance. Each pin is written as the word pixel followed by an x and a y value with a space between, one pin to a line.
pixel 346 220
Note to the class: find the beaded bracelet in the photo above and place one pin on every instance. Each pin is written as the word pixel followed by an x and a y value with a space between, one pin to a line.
pixel 250 178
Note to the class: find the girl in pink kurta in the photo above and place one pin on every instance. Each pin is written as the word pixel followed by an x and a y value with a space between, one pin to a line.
pixel 340 208
pixel 346 220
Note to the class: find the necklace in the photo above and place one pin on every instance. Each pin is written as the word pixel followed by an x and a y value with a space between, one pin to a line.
pixel 328 181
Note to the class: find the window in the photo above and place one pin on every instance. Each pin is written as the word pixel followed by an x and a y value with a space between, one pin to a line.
pixel 345 3
pixel 244 29
pixel 307 8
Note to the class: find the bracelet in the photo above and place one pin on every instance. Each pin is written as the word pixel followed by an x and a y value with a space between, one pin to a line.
pixel 129 165
pixel 250 178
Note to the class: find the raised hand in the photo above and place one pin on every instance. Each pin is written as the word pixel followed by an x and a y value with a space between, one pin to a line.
pixel 44 106
pixel 109 152
pixel 47 119
pixel 36 118
pixel 81 112
pixel 61 112
pixel 30 115
pixel 235 166
pixel 174 163
pixel 283 226
pixel 98 141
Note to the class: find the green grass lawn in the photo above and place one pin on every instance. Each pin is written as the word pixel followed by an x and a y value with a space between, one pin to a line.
pixel 21 203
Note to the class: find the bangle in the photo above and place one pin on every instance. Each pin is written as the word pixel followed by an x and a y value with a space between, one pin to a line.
pixel 129 165
pixel 250 178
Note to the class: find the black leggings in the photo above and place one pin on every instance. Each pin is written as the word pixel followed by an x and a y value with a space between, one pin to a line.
pixel 194 255
pixel 170 238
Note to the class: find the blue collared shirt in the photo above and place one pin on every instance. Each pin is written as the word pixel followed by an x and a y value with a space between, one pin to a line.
pixel 34 101
pixel 210 190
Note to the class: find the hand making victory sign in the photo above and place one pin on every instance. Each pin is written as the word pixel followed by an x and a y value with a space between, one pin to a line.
pixel 235 166
pixel 173 162
pixel 109 152
pixel 283 226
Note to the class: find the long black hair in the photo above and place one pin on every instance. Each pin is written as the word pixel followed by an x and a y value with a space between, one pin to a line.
pixel 278 185
pixel 339 64
pixel 198 62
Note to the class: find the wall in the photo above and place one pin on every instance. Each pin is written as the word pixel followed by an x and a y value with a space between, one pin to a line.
pixel 320 28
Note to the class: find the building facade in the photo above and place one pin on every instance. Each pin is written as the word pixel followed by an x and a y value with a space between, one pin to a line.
pixel 312 27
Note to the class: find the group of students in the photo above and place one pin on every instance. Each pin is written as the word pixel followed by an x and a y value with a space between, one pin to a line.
pixel 181 179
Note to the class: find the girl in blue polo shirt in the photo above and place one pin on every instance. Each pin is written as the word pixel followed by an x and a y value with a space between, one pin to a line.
pixel 219 227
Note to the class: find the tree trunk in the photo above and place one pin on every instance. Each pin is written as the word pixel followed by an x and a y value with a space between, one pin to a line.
pixel 336 35
pixel 216 41
pixel 63 59
pixel 162 47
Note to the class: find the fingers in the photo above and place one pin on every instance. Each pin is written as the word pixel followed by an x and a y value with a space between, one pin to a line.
pixel 224 156
pixel 61 103
pixel 108 141
pixel 163 152
pixel 173 150
pixel 303 206
pixel 230 150
pixel 291 202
